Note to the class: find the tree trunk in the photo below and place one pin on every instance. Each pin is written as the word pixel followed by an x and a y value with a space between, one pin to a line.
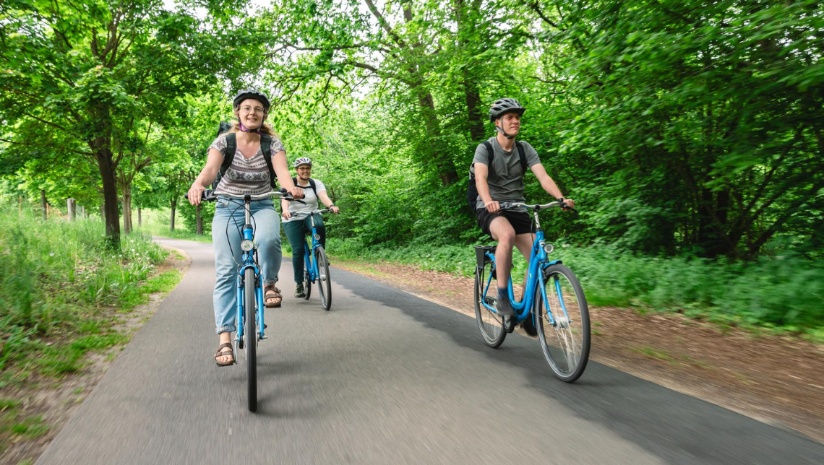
pixel 139 217
pixel 443 162
pixel 199 218
pixel 127 209
pixel 43 204
pixel 70 205
pixel 172 212
pixel 110 201
pixel 465 14
pixel 712 224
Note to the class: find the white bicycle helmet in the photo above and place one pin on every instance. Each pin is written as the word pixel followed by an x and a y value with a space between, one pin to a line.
pixel 303 161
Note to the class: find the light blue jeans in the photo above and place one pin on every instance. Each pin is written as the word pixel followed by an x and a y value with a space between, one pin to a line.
pixel 226 235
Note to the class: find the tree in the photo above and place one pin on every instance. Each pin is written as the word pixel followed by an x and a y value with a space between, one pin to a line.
pixel 703 118
pixel 87 69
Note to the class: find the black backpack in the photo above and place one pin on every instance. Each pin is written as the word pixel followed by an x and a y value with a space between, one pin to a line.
pixel 472 191
pixel 311 185
pixel 231 149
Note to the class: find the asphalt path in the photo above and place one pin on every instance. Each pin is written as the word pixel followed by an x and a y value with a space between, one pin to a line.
pixel 384 378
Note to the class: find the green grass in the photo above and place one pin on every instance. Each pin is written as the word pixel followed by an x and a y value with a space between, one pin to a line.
pixel 780 295
pixel 15 426
pixel 61 290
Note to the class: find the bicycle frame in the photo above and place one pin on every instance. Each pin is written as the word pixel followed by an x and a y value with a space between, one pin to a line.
pixel 248 260
pixel 538 261
pixel 311 265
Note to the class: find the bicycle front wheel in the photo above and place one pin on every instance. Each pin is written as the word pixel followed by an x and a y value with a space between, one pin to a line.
pixel 324 283
pixel 563 327
pixel 490 323
pixel 250 309
pixel 307 284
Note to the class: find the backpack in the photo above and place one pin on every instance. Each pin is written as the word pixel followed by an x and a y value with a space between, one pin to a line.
pixel 311 185
pixel 231 149
pixel 472 191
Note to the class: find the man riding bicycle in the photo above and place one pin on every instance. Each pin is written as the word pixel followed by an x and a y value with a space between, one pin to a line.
pixel 296 220
pixel 503 181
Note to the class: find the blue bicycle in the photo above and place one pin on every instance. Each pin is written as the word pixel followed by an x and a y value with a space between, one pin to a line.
pixel 553 303
pixel 317 269
pixel 250 316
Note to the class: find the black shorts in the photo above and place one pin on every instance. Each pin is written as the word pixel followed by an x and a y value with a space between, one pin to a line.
pixel 521 221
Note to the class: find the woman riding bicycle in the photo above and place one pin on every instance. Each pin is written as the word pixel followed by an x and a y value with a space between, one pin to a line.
pixel 296 219
pixel 248 173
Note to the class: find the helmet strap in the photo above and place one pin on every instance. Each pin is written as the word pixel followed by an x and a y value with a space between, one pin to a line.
pixel 243 128
pixel 498 128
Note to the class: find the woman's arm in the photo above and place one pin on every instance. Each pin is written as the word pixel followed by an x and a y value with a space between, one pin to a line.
pixel 206 177
pixel 324 198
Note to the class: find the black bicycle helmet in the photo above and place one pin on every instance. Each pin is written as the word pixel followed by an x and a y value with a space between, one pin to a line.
pixel 505 105
pixel 253 94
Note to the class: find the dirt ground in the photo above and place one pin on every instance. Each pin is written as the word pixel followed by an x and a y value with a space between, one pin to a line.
pixel 777 380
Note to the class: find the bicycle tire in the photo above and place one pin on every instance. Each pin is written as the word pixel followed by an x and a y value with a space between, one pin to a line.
pixel 250 308
pixel 490 323
pixel 324 280
pixel 307 285
pixel 566 343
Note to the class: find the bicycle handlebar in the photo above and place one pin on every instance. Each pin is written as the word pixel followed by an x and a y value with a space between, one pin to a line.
pixel 306 214
pixel 536 207
pixel 209 195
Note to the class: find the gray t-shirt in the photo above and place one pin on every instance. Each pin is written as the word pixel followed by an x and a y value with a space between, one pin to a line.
pixel 310 202
pixel 245 176
pixel 506 178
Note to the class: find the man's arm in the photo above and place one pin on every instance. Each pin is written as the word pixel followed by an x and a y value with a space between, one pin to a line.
pixel 548 184
pixel 481 183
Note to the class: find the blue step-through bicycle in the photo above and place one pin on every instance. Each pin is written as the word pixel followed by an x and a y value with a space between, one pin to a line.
pixel 250 316
pixel 553 302
pixel 316 265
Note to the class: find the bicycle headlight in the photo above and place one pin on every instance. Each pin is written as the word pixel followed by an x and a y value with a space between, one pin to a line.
pixel 247 245
pixel 548 248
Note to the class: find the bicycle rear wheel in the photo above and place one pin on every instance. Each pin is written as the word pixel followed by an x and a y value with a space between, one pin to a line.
pixel 324 283
pixel 489 322
pixel 563 327
pixel 250 309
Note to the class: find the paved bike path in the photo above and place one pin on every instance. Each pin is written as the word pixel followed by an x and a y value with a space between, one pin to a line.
pixel 385 378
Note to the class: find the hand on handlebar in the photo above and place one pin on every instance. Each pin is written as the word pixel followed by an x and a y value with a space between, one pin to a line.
pixel 569 204
pixel 296 192
pixel 195 194
pixel 493 206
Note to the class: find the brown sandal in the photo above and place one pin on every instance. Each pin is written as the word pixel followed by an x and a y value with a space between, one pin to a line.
pixel 271 296
pixel 222 353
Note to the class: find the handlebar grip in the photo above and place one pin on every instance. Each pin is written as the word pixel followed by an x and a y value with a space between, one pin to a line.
pixel 207 196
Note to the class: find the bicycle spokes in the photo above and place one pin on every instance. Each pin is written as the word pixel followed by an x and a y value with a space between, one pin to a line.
pixel 564 323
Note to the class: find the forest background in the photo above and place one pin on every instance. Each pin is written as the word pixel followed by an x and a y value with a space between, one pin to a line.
pixel 689 133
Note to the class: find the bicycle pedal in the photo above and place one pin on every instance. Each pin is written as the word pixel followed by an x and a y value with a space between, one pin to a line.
pixel 509 325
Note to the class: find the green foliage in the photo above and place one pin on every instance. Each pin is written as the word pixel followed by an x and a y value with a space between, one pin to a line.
pixel 57 284
pixel 785 294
